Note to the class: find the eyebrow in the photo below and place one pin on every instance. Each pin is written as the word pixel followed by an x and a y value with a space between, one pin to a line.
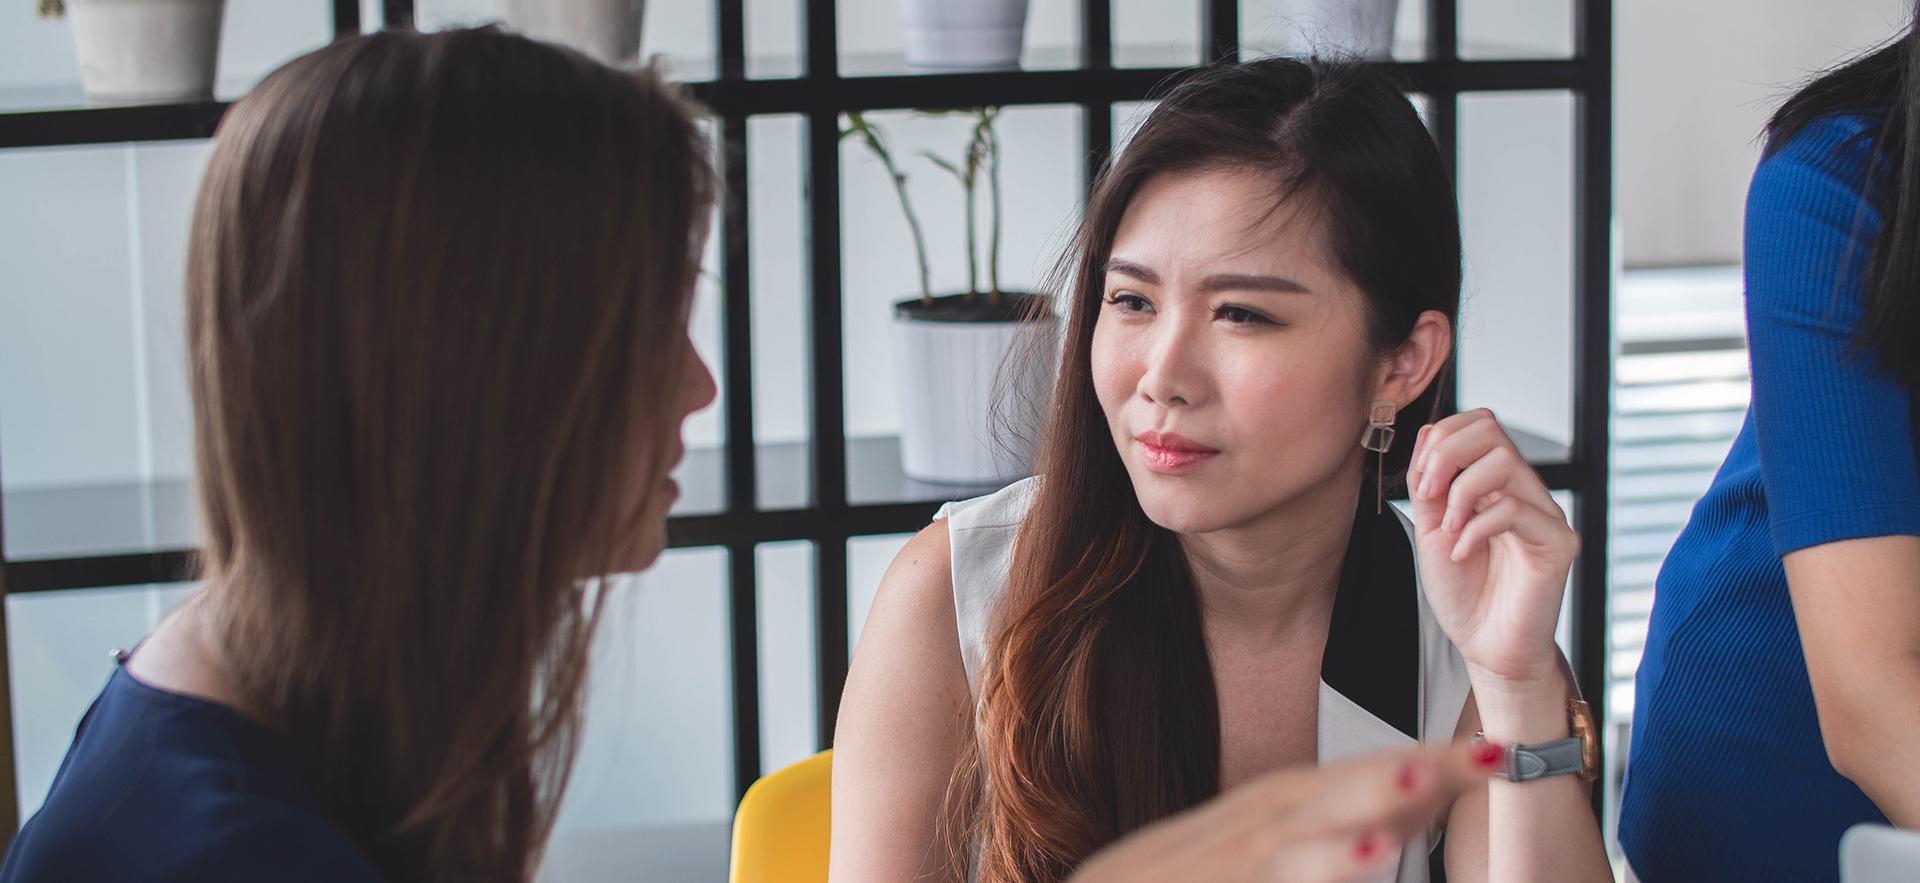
pixel 1218 282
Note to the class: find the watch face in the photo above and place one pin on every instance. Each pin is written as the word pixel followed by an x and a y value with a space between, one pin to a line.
pixel 1581 718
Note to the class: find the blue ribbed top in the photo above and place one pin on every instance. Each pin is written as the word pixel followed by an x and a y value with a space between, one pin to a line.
pixel 1728 778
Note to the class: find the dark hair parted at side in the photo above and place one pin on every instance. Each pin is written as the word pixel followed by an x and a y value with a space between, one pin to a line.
pixel 1097 711
pixel 433 282
pixel 1886 83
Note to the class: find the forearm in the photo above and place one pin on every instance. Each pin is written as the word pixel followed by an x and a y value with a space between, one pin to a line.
pixel 1541 829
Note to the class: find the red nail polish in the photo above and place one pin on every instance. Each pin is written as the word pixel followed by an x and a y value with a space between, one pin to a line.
pixel 1411 775
pixel 1489 755
pixel 1368 848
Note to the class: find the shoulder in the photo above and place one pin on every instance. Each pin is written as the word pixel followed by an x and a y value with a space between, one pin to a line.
pixel 256 837
pixel 182 815
pixel 1829 154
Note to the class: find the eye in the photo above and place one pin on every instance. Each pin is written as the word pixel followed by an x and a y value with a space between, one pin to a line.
pixel 1241 316
pixel 1128 302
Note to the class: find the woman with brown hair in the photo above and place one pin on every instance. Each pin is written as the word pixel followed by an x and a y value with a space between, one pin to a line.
pixel 1203 591
pixel 437 294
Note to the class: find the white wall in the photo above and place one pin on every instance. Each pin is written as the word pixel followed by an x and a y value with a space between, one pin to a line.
pixel 1695 83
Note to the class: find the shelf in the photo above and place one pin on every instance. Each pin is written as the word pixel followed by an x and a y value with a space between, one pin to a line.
pixel 41 118
pixel 144 532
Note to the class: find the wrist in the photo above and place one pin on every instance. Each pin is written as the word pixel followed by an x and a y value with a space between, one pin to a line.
pixel 1522 712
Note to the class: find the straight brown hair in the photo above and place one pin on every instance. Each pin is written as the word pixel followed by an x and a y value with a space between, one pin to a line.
pixel 437 292
pixel 1097 712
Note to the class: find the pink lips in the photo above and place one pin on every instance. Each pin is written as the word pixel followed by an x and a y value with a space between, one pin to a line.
pixel 1169 454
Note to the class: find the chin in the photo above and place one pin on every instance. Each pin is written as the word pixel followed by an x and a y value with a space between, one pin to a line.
pixel 1182 505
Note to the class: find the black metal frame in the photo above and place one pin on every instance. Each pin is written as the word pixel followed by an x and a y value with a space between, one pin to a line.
pixel 821 96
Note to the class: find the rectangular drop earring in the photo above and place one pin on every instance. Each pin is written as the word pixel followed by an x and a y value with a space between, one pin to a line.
pixel 1379 439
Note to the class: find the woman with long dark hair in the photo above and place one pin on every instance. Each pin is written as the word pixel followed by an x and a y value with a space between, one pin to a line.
pixel 1778 702
pixel 1202 585
pixel 437 299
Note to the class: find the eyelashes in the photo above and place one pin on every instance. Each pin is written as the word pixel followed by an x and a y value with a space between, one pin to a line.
pixel 1232 314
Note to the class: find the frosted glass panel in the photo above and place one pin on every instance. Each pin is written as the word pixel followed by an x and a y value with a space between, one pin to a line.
pixel 652 789
pixel 1516 28
pixel 59 647
pixel 1156 33
pixel 788 704
pixel 1516 196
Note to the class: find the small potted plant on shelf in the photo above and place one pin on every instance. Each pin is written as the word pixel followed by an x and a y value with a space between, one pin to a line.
pixel 144 50
pixel 971 35
pixel 608 30
pixel 972 367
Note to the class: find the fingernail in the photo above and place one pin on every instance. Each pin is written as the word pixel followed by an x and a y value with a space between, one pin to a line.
pixel 1368 847
pixel 1459 552
pixel 1490 755
pixel 1450 523
pixel 1426 486
pixel 1412 775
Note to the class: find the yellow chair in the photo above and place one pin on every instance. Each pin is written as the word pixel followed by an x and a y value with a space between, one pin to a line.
pixel 780 829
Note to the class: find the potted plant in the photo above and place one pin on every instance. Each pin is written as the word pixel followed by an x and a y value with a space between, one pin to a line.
pixel 977 34
pixel 144 50
pixel 974 366
pixel 608 30
pixel 1362 28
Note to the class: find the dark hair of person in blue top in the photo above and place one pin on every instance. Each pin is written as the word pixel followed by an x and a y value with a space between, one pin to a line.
pixel 1885 81
pixel 437 297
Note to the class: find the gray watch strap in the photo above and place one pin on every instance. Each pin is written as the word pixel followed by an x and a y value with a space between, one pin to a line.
pixel 1556 758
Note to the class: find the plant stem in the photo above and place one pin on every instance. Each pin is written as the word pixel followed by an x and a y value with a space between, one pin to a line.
pixel 870 135
pixel 988 117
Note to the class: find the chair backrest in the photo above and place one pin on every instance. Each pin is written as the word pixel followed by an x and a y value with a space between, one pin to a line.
pixel 1879 854
pixel 780 830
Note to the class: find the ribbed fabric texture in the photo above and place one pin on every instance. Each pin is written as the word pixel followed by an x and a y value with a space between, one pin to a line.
pixel 1728 778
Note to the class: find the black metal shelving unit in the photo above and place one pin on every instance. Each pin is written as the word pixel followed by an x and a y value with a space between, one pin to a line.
pixel 830 490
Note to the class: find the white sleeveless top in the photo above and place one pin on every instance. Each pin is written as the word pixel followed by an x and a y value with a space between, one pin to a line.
pixel 982 532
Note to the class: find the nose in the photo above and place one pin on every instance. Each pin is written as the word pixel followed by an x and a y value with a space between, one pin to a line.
pixel 698 389
pixel 1175 375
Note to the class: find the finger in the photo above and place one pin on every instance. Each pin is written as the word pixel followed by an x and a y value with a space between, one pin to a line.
pixel 1449 448
pixel 1335 859
pixel 1426 512
pixel 1454 446
pixel 1397 790
pixel 1500 473
pixel 1528 523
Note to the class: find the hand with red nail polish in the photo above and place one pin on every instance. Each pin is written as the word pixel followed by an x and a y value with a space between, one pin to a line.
pixel 1341 822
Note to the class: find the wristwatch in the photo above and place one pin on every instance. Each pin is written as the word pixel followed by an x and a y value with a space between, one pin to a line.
pixel 1578 754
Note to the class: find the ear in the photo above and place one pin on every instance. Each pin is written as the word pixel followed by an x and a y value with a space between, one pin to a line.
pixel 1407 372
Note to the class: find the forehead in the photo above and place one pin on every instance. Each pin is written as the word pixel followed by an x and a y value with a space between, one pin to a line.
pixel 1216 219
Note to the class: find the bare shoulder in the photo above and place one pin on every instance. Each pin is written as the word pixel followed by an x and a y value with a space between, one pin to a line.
pixel 915 600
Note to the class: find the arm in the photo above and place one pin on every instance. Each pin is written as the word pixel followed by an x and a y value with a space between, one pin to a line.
pixel 1544 826
pixel 1857 603
pixel 1494 552
pixel 901 721
pixel 1836 444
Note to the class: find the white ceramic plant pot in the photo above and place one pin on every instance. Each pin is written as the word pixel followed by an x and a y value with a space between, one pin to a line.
pixel 964 33
pixel 1363 28
pixel 608 30
pixel 972 396
pixel 147 50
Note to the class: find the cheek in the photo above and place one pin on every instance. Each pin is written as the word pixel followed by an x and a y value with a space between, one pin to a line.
pixel 1115 373
pixel 1288 408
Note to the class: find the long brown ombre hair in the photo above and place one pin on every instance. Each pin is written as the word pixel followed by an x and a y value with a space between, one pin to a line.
pixel 434 282
pixel 1097 711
